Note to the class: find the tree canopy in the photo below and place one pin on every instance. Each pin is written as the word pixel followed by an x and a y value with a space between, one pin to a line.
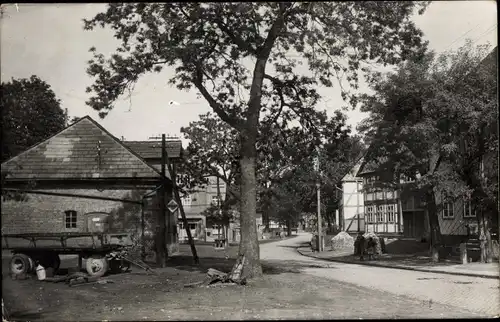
pixel 210 45
pixel 31 113
pixel 436 117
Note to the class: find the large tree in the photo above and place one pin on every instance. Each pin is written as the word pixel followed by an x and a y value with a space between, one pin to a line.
pixel 436 117
pixel 31 113
pixel 243 58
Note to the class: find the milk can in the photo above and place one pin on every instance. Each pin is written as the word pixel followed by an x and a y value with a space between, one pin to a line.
pixel 40 272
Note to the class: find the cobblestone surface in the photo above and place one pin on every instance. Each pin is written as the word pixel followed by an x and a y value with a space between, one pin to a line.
pixel 472 293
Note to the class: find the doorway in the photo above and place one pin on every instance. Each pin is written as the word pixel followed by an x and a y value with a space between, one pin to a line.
pixel 413 224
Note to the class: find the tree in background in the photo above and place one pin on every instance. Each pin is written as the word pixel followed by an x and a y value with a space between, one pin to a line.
pixel 31 113
pixel 211 45
pixel 436 116
pixel 212 152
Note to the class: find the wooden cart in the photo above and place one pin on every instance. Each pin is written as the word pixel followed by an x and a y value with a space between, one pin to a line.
pixel 96 251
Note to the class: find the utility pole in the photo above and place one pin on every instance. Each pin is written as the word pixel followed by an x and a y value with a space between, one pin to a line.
pixel 175 195
pixel 318 194
pixel 220 212
pixel 162 250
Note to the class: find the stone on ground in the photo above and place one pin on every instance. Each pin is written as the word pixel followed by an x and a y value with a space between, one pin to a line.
pixel 342 241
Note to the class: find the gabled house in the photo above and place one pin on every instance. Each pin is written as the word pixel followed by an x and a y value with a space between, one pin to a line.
pixel 388 211
pixel 83 179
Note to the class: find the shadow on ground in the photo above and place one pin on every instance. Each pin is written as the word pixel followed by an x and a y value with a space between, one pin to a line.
pixel 25 316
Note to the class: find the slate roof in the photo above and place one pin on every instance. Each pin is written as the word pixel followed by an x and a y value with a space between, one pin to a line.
pixel 367 167
pixel 351 175
pixel 152 149
pixel 73 154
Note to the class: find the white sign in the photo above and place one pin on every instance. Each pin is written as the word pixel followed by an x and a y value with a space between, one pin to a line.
pixel 172 206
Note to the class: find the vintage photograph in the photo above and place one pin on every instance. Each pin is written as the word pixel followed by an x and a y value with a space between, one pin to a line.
pixel 249 160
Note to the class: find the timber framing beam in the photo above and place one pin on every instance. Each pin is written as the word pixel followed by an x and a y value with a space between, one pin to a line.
pixel 48 193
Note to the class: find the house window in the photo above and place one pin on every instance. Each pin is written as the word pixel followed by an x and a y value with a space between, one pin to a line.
pixel 213 182
pixel 379 195
pixel 448 210
pixel 214 200
pixel 370 215
pixel 208 234
pixel 186 200
pixel 70 218
pixel 381 213
pixel 192 226
pixel 407 179
pixel 390 194
pixel 469 211
pixel 369 196
pixel 391 213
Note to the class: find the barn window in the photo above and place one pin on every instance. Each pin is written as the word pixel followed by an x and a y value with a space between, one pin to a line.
pixel 70 218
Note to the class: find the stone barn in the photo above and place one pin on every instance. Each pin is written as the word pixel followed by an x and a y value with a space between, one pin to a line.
pixel 83 179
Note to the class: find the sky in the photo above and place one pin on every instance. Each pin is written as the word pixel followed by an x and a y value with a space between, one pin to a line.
pixel 48 40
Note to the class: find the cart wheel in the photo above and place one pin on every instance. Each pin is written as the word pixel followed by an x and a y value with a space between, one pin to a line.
pixel 96 265
pixel 20 264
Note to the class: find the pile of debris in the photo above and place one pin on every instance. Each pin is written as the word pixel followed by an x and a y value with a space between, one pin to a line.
pixel 77 279
pixel 342 241
pixel 216 277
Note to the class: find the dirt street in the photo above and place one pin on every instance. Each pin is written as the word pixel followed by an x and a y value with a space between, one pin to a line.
pixel 293 287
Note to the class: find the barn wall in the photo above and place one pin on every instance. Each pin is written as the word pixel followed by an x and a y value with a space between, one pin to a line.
pixel 46 214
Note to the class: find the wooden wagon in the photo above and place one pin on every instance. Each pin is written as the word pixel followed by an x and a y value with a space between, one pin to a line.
pixel 97 252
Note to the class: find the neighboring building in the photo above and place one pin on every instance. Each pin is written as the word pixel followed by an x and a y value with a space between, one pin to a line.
pixel 382 206
pixel 351 210
pixel 389 212
pixel 150 151
pixel 61 175
pixel 194 205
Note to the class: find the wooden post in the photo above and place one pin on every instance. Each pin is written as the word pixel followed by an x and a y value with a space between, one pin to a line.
pixel 183 214
pixel 463 253
pixel 143 243
pixel 162 252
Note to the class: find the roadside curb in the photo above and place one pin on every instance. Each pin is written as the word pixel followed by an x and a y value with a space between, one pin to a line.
pixel 408 268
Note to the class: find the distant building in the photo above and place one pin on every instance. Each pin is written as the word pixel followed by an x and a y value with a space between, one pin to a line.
pixel 351 210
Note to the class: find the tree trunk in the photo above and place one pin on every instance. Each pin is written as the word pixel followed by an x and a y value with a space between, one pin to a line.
pixel 289 228
pixel 436 238
pixel 249 244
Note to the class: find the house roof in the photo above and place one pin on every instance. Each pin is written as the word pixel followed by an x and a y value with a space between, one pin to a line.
pixel 351 175
pixel 152 149
pixel 368 166
pixel 74 153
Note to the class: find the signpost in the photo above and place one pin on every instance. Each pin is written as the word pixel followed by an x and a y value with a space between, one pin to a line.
pixel 172 206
